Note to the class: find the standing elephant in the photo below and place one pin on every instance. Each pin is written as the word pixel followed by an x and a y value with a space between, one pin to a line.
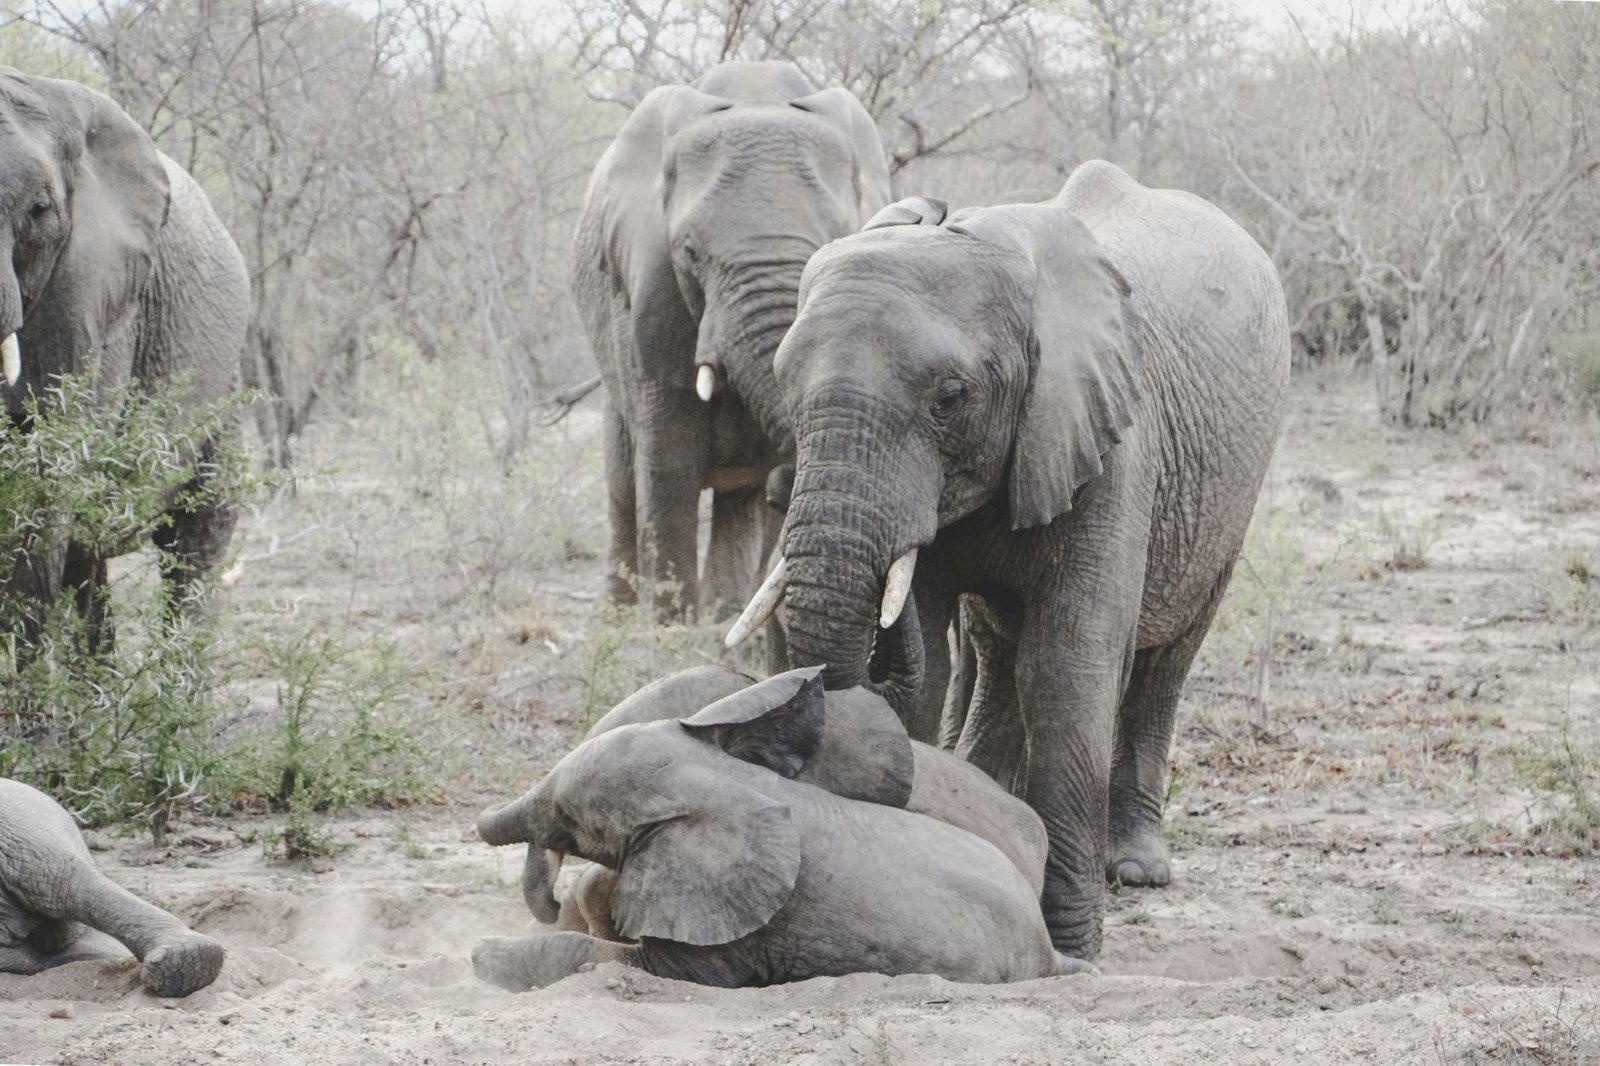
pixel 686 263
pixel 1066 408
pixel 112 263
pixel 56 907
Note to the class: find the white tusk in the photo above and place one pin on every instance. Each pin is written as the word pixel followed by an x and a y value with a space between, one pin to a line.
pixel 896 587
pixel 761 606
pixel 11 359
pixel 705 382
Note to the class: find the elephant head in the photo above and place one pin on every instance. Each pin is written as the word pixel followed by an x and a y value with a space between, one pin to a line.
pixel 720 193
pixel 702 856
pixel 84 194
pixel 861 750
pixel 937 367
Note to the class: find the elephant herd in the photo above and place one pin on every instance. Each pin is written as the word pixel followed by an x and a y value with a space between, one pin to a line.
pixel 995 463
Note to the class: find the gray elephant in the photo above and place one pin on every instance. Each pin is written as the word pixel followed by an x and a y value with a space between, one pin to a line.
pixel 864 754
pixel 730 872
pixel 57 907
pixel 686 262
pixel 1067 409
pixel 112 263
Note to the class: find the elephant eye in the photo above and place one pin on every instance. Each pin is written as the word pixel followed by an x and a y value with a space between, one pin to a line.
pixel 39 209
pixel 948 399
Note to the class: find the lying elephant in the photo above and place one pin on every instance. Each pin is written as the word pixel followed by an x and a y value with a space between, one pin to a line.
pixel 57 907
pixel 732 872
pixel 865 754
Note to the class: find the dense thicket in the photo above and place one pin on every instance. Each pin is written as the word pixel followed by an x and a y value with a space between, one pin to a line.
pixel 407 174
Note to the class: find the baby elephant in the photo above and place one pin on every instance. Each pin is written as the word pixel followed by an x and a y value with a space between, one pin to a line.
pixel 864 754
pixel 730 872
pixel 57 907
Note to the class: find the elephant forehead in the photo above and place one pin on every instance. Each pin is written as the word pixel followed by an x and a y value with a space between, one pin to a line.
pixel 915 277
pixel 761 135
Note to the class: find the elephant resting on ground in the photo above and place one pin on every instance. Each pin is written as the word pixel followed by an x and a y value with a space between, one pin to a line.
pixel 864 754
pixel 730 872
pixel 112 263
pixel 57 907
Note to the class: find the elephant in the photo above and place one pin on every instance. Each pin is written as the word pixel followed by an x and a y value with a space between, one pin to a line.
pixel 731 872
pixel 57 907
pixel 864 754
pixel 1065 409
pixel 112 263
pixel 686 262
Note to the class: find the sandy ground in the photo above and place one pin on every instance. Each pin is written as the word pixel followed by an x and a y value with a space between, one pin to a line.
pixel 1377 821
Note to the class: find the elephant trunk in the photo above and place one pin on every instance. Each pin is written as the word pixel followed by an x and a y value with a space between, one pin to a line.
pixel 529 821
pixel 848 563
pixel 522 821
pixel 753 311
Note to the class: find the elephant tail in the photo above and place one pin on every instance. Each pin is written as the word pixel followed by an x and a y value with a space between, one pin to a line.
pixel 567 399
pixel 1067 966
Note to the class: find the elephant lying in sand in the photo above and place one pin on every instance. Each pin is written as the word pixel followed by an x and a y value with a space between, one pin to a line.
pixel 732 872
pixel 57 907
pixel 865 754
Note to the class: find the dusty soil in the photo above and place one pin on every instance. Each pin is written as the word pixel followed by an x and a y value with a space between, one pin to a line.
pixel 1383 821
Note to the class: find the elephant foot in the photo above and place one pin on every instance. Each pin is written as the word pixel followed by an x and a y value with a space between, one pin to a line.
pixel 1139 862
pixel 503 962
pixel 182 964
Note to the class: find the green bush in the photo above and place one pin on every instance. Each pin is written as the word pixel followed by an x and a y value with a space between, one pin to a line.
pixel 123 733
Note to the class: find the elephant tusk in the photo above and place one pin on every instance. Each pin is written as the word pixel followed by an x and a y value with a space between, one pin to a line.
pixel 705 382
pixel 761 606
pixel 896 587
pixel 11 359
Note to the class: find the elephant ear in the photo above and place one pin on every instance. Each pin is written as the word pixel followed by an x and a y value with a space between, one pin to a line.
pixel 714 871
pixel 118 204
pixel 871 167
pixel 630 189
pixel 912 211
pixel 1087 366
pixel 776 723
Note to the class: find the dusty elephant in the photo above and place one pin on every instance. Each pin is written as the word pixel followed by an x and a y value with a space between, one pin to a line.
pixel 864 754
pixel 731 872
pixel 686 262
pixel 1066 408
pixel 112 263
pixel 57 907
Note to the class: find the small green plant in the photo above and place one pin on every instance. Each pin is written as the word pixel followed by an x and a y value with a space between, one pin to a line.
pixel 1568 773
pixel 1137 918
pixel 346 730
pixel 1407 543
pixel 1289 906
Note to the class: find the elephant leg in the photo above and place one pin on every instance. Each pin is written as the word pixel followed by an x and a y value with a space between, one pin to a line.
pixel 963 681
pixel 1145 722
pixel 734 556
pixel 592 893
pixel 1072 669
pixel 192 544
pixel 935 606
pixel 177 960
pixel 623 560
pixel 670 455
pixel 85 575
pixel 518 964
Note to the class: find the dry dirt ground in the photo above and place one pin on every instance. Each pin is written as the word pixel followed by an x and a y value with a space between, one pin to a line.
pixel 1383 816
